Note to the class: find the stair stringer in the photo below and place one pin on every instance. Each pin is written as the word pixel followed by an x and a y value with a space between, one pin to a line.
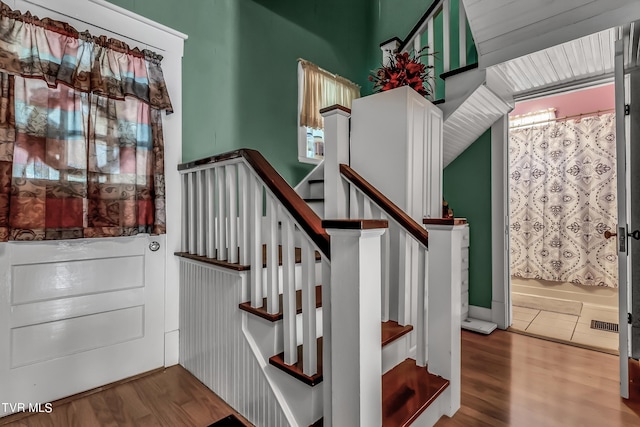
pixel 302 188
pixel 470 109
pixel 301 403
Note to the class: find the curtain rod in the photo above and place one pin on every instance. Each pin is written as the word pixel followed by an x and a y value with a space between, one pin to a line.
pixel 592 113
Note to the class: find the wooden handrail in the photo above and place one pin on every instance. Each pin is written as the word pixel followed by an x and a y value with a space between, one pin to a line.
pixel 420 25
pixel 390 208
pixel 299 210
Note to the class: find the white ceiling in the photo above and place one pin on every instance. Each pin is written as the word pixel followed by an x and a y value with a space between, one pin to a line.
pixel 505 29
pixel 587 58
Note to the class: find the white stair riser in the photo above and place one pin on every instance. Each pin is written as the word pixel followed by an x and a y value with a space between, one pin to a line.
pixel 395 352
pixel 317 207
pixel 435 411
pixel 268 335
pixel 316 190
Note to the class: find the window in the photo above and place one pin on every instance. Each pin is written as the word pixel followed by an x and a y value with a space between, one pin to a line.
pixel 535 118
pixel 317 89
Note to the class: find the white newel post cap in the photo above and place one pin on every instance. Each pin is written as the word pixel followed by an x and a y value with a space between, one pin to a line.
pixel 336 109
pixel 389 48
pixel 355 227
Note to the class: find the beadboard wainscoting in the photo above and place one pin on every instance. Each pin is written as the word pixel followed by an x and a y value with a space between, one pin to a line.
pixel 214 348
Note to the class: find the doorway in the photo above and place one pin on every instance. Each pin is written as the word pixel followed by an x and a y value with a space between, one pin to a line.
pixel 562 186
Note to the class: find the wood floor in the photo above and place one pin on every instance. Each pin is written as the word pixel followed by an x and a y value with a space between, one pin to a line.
pixel 170 397
pixel 507 380
pixel 515 380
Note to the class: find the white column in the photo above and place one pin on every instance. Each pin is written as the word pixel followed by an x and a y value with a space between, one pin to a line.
pixel 336 151
pixel 500 276
pixel 356 353
pixel 444 279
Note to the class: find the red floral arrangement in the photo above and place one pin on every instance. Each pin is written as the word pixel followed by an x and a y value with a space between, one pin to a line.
pixel 404 70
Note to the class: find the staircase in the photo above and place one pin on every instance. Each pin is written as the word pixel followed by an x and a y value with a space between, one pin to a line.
pixel 297 321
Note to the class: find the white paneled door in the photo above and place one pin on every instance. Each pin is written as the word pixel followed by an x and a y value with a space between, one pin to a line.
pixel 78 314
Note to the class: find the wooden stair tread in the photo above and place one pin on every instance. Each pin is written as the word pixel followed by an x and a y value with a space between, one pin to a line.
pixel 315 181
pixel 407 390
pixel 312 200
pixel 318 423
pixel 391 331
pixel 274 317
pixel 296 369
pixel 241 267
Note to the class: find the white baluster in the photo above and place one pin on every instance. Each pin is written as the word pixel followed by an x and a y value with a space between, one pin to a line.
pixel 462 38
pixel 222 220
pixel 422 326
pixel 416 44
pixel 366 208
pixel 211 213
pixel 431 42
pixel 288 290
pixel 385 254
pixel 256 242
pixel 353 202
pixel 404 279
pixel 202 212
pixel 232 209
pixel 193 210
pixel 309 343
pixel 243 229
pixel 184 180
pixel 273 305
pixel 327 340
pixel 446 35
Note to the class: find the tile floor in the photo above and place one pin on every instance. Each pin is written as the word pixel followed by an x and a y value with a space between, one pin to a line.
pixel 569 328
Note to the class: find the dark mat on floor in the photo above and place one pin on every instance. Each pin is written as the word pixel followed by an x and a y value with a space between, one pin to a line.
pixel 230 421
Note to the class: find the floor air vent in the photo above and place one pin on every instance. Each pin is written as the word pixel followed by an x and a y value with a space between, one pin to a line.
pixel 604 326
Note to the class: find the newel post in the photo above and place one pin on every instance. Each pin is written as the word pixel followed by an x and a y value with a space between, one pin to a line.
pixel 356 353
pixel 389 48
pixel 336 151
pixel 445 281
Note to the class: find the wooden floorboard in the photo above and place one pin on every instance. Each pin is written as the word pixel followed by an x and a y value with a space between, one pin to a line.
pixel 171 397
pixel 514 380
pixel 507 380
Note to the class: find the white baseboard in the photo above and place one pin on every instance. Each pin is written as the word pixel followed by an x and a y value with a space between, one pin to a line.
pixel 171 348
pixel 480 313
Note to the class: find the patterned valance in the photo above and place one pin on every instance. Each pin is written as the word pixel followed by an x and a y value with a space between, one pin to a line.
pixel 57 53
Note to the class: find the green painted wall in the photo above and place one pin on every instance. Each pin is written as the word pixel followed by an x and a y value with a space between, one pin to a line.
pixel 273 34
pixel 240 86
pixel 240 68
pixel 210 55
pixel 467 188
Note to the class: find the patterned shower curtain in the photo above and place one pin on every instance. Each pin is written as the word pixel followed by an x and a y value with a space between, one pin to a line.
pixel 562 180
pixel 81 146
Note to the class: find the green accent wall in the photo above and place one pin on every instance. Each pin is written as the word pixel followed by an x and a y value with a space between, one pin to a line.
pixel 240 86
pixel 467 189
pixel 240 68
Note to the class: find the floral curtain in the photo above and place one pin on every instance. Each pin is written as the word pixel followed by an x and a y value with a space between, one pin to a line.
pixel 81 147
pixel 562 200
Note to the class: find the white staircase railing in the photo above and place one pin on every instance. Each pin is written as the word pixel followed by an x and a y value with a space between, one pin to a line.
pixel 237 210
pixel 404 258
pixel 424 35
